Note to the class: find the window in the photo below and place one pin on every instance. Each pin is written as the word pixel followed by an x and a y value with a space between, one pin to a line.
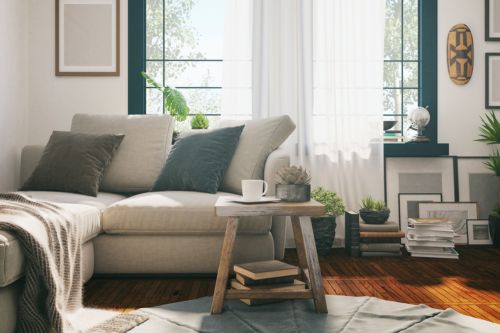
pixel 410 66
pixel 401 61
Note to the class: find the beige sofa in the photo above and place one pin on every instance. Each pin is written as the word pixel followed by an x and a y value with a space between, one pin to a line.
pixel 146 233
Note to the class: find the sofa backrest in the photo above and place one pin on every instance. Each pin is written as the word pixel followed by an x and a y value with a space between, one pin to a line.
pixel 142 153
pixel 30 156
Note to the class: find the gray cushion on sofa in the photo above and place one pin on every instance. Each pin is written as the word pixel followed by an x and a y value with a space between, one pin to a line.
pixel 258 139
pixel 140 158
pixel 73 162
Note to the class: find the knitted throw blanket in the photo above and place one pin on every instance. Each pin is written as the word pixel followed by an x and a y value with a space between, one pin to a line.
pixel 51 241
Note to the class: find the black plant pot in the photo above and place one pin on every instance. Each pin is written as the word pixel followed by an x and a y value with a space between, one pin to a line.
pixel 375 217
pixel 324 233
pixel 494 223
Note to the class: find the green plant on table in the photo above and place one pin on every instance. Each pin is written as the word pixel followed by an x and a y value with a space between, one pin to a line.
pixel 293 175
pixel 334 205
pixel 173 100
pixel 199 121
pixel 373 205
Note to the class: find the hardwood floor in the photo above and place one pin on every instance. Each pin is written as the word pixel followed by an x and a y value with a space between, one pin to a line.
pixel 470 285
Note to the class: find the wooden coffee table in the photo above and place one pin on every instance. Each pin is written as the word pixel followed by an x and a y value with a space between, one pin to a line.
pixel 300 213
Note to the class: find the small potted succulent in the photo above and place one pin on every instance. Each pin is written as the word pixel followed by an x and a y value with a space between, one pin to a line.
pixel 293 184
pixel 199 121
pixel 324 226
pixel 374 211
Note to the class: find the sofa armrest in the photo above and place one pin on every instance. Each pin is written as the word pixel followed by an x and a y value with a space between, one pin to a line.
pixel 30 156
pixel 275 161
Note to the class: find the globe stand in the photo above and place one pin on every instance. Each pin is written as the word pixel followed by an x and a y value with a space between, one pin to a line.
pixel 420 138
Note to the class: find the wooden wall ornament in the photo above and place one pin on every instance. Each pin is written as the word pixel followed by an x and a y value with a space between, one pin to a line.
pixel 460 52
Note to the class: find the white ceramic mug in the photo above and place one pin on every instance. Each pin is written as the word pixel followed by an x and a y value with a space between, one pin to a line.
pixel 253 189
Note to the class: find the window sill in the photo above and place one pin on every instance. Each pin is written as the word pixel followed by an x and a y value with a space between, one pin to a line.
pixel 416 149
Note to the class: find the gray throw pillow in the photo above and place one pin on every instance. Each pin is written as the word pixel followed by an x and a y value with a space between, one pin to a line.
pixel 73 162
pixel 198 162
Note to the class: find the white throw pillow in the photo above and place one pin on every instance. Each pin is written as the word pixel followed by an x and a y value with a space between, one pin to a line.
pixel 258 139
pixel 142 153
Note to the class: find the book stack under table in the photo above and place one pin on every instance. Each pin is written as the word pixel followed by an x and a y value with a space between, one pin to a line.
pixel 431 237
pixel 380 239
pixel 271 275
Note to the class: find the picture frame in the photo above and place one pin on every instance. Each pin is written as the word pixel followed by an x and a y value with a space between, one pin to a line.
pixel 457 212
pixel 87 38
pixel 478 232
pixel 417 175
pixel 492 93
pixel 476 183
pixel 492 20
pixel 408 206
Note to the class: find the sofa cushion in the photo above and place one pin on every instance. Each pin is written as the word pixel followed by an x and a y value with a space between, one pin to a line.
pixel 102 201
pixel 174 212
pixel 198 162
pixel 258 139
pixel 140 157
pixel 11 253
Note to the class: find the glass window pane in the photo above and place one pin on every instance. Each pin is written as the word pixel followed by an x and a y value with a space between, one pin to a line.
pixel 207 101
pixel 410 100
pixel 154 29
pixel 155 70
pixel 193 73
pixel 410 74
pixel 392 39
pixel 392 101
pixel 154 101
pixel 410 30
pixel 392 74
pixel 194 29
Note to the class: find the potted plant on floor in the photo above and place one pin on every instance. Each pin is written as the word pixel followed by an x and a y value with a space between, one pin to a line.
pixel 324 226
pixel 200 121
pixel 293 184
pixel 374 211
pixel 490 134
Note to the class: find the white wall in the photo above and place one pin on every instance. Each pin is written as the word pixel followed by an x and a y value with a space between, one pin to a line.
pixel 54 100
pixel 13 88
pixel 460 107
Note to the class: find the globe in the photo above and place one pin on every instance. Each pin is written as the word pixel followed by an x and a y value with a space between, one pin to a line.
pixel 419 117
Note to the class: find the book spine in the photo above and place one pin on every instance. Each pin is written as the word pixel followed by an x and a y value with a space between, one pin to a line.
pixel 355 237
pixel 381 234
pixel 381 240
pixel 347 229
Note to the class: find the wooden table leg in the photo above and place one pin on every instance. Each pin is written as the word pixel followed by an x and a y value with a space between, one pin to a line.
pixel 224 265
pixel 299 245
pixel 306 251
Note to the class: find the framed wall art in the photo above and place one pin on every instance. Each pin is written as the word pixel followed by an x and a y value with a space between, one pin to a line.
pixel 492 80
pixel 87 37
pixel 408 206
pixel 478 232
pixel 457 212
pixel 492 20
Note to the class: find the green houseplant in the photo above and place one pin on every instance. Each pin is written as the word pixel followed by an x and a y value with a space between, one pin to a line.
pixel 199 121
pixel 293 184
pixel 373 211
pixel 489 133
pixel 324 226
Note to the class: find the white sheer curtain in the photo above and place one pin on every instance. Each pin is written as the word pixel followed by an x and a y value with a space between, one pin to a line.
pixel 321 62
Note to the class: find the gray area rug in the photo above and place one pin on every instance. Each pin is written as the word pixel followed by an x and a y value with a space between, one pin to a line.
pixel 346 314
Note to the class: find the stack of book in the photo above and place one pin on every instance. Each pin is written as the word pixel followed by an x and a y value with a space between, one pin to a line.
pixel 380 239
pixel 271 275
pixel 431 238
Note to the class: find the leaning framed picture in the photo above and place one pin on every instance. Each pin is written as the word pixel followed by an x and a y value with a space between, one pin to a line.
pixel 408 206
pixel 457 212
pixel 478 232
pixel 492 20
pixel 492 80
pixel 87 38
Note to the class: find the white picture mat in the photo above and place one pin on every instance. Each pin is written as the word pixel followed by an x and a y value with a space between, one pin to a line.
pixel 494 19
pixel 494 80
pixel 471 233
pixel 451 210
pixel 399 165
pixel 404 198
pixel 62 16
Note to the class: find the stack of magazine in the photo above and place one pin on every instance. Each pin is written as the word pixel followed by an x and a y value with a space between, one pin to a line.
pixel 431 237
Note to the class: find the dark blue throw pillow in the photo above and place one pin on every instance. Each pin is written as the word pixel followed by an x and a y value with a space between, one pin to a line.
pixel 198 162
